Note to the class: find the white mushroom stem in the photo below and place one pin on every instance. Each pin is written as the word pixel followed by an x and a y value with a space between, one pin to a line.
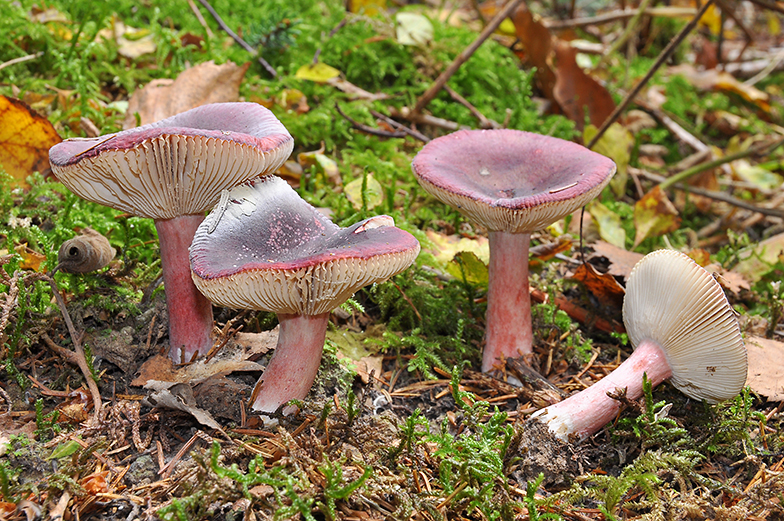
pixel 508 332
pixel 294 364
pixel 588 411
pixel 190 313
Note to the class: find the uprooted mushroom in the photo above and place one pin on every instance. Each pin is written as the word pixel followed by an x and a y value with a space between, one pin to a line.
pixel 682 328
pixel 265 248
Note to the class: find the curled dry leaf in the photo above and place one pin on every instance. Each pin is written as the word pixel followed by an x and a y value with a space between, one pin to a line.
pixel 603 285
pixel 202 84
pixel 25 140
pixel 88 252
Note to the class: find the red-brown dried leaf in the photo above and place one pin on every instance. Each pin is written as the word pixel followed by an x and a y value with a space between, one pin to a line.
pixel 538 44
pixel 603 285
pixel 575 90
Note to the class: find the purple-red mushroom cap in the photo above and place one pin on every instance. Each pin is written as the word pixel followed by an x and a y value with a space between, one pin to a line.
pixel 176 166
pixel 510 180
pixel 677 304
pixel 265 248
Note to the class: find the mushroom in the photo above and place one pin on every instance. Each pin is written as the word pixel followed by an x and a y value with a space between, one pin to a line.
pixel 512 183
pixel 682 328
pixel 265 248
pixel 173 171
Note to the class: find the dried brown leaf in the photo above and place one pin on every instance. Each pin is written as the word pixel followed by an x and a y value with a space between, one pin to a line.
pixel 766 367
pixel 199 85
pixel 575 90
pixel 621 261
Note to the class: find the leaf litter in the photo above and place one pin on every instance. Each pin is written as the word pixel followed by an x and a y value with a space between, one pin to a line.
pixel 392 443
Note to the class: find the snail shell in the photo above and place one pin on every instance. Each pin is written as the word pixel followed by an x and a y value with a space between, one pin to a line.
pixel 89 251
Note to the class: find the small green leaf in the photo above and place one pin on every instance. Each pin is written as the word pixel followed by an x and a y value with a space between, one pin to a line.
pixel 65 449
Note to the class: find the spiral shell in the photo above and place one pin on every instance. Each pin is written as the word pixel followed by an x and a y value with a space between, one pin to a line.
pixel 88 252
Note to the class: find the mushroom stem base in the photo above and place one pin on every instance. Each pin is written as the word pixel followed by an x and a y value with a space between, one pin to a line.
pixel 294 364
pixel 508 333
pixel 586 412
pixel 190 313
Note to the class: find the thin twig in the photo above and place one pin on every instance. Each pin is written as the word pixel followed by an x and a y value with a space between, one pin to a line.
pixel 80 358
pixel 399 126
pixel 366 129
pixel 772 6
pixel 702 167
pixel 614 16
pixel 484 121
pixel 658 63
pixel 239 40
pixel 461 58
pixel 730 12
pixel 425 119
pixel 21 59
pixel 201 19
pixel 711 194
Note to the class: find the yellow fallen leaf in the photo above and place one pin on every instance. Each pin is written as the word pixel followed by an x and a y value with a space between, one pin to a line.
pixel 609 224
pixel 654 215
pixel 318 72
pixel 445 247
pixel 25 140
pixel 374 193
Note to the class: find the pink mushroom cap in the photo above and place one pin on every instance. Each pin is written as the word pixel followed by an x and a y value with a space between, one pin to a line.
pixel 173 171
pixel 265 248
pixel 512 183
pixel 510 180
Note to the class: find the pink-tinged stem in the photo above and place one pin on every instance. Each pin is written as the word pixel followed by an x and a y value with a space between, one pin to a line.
pixel 294 364
pixel 508 332
pixel 190 313
pixel 588 411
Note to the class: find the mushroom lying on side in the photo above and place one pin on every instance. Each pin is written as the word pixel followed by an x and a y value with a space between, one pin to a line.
pixel 265 248
pixel 682 328
pixel 173 171
pixel 512 183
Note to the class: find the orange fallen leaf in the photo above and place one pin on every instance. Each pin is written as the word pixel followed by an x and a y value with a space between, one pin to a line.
pixel 96 483
pixel 25 140
pixel 31 259
pixel 603 285
pixel 654 215
pixel 198 85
